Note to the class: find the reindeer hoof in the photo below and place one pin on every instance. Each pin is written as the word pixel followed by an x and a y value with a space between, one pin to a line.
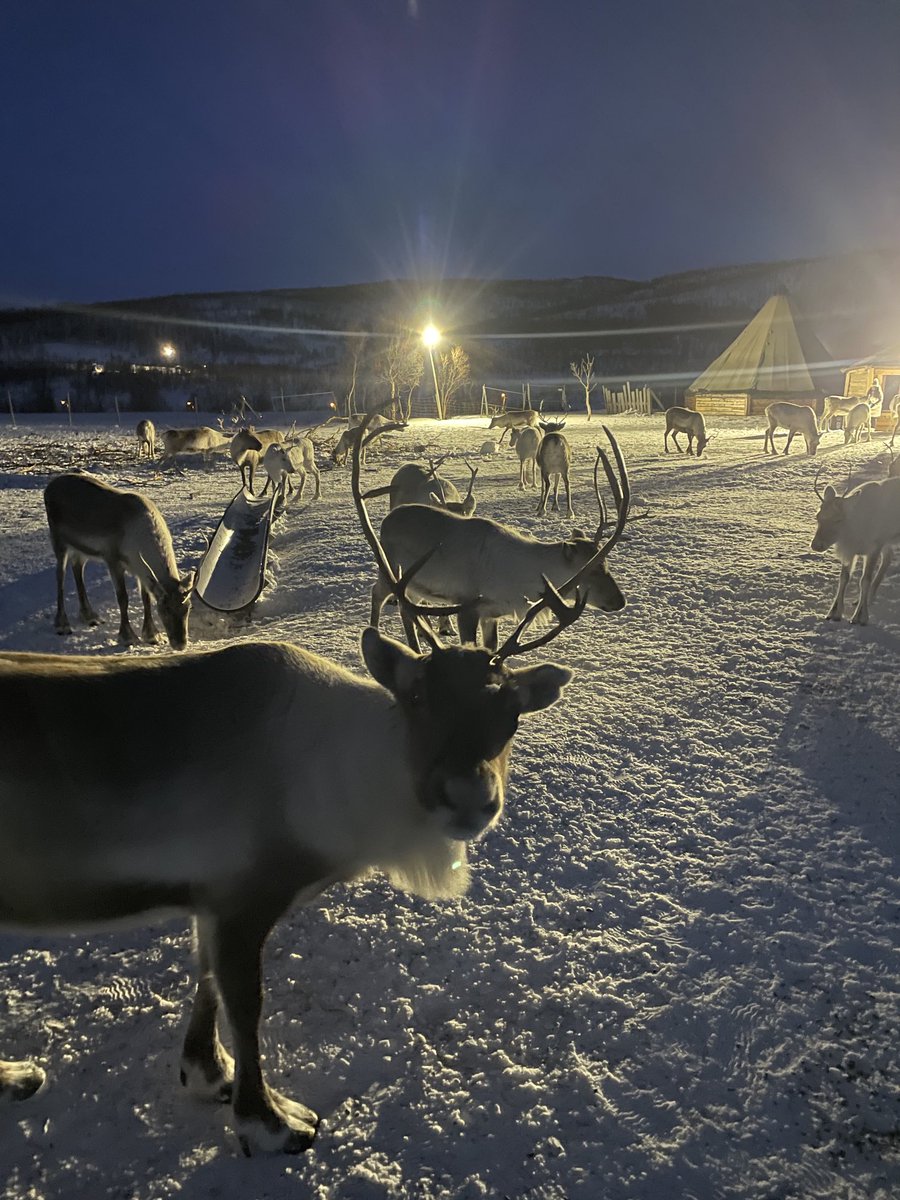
pixel 287 1128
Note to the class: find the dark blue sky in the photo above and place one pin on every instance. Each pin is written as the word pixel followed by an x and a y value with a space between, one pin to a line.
pixel 150 148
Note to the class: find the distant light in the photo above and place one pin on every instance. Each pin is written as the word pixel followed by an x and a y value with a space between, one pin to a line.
pixel 167 350
pixel 431 335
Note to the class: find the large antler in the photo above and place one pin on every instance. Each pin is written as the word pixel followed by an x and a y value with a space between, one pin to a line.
pixel 416 613
pixel 620 488
pixel 552 598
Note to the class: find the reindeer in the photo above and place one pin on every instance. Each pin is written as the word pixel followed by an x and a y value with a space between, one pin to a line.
pixel 859 418
pixel 281 463
pixel 836 406
pixel 90 519
pixel 553 458
pixel 685 420
pixel 303 456
pixel 527 444
pixel 412 484
pixel 200 439
pixel 348 439
pixel 514 418
pixel 245 448
pixel 490 571
pixel 796 418
pixel 88 838
pixel 862 523
pixel 146 436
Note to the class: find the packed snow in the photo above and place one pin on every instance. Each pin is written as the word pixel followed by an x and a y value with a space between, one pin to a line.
pixel 676 971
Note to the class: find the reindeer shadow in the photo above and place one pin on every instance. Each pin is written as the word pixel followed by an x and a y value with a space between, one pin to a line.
pixel 831 733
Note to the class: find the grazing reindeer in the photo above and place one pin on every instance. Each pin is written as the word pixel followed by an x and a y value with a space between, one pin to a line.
pixel 795 418
pixel 146 436
pixel 527 445
pixel 489 571
pixel 90 519
pixel 685 420
pixel 859 418
pixel 85 838
pixel 195 440
pixel 863 523
pixel 553 458
pixel 514 418
pixel 245 448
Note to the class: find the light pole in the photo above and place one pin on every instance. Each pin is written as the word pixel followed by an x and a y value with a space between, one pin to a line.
pixel 431 335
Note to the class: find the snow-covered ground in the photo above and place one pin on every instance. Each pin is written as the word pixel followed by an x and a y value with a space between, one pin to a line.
pixel 676 972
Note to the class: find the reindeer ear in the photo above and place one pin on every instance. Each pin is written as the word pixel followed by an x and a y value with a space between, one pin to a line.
pixel 829 493
pixel 389 663
pixel 539 687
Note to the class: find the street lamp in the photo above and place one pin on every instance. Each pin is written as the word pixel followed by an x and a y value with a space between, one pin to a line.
pixel 168 351
pixel 431 335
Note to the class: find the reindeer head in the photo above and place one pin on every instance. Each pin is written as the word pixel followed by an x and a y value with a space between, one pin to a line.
pixel 173 602
pixel 831 514
pixel 462 710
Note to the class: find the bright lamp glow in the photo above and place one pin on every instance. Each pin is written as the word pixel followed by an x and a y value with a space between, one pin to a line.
pixel 431 335
pixel 167 350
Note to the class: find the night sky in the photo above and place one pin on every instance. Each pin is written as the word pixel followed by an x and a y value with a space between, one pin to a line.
pixel 205 145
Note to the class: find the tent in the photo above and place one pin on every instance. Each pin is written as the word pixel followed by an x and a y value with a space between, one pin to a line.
pixel 771 359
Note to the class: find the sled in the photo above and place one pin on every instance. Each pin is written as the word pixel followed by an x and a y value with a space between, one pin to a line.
pixel 233 571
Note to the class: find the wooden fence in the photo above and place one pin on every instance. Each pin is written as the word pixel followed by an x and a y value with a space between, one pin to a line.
pixel 631 399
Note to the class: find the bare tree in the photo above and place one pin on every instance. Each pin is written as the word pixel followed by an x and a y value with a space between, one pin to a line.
pixel 452 371
pixel 357 345
pixel 400 366
pixel 584 373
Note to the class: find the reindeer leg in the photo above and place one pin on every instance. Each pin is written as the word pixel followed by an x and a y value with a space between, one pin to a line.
pixel 149 632
pixel 490 634
pixel 207 1069
pixel 861 612
pixel 126 633
pixel 886 557
pixel 787 444
pixel 556 494
pixel 264 1119
pixel 836 612
pixel 61 623
pixel 467 619
pixel 315 472
pixel 569 508
pixel 19 1080
pixel 87 613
